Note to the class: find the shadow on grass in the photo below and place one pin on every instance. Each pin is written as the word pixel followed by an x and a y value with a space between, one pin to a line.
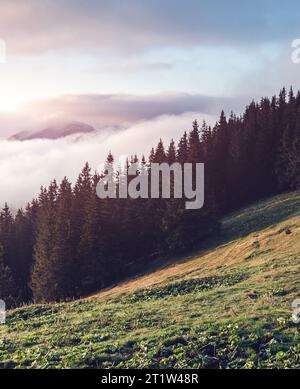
pixel 237 225
pixel 260 216
pixel 250 219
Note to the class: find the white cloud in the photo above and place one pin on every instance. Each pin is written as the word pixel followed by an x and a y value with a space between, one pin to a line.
pixel 111 110
pixel 25 166
pixel 34 26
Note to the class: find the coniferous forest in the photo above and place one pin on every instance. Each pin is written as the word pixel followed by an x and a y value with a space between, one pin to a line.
pixel 67 242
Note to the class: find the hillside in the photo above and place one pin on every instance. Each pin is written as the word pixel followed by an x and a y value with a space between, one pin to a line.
pixel 226 306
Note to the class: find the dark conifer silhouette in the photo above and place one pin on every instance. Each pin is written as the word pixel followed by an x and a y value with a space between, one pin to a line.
pixel 68 242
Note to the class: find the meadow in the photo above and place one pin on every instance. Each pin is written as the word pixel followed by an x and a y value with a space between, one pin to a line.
pixel 228 305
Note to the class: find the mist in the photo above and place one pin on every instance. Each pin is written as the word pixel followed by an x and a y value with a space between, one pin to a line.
pixel 27 165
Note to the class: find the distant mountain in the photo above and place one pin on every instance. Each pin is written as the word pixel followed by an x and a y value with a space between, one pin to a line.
pixel 55 132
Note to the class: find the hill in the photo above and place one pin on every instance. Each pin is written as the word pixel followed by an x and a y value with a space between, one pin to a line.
pixel 55 132
pixel 226 306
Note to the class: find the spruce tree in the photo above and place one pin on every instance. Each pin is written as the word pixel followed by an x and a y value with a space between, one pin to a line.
pixel 182 149
pixel 194 145
pixel 171 153
pixel 44 278
pixel 8 287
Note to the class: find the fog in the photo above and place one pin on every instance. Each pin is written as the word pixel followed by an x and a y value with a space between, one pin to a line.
pixel 26 165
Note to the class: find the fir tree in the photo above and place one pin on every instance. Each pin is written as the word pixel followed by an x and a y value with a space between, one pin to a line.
pixel 44 282
pixel 8 287
pixel 182 150
pixel 171 153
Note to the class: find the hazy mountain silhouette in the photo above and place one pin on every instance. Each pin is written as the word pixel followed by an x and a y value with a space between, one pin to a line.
pixel 54 132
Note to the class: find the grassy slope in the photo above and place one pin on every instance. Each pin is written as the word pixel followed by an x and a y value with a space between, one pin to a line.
pixel 228 306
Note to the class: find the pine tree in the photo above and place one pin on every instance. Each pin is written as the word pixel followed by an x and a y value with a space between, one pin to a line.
pixel 75 242
pixel 151 155
pixel 44 280
pixel 288 168
pixel 63 254
pixel 219 163
pixel 6 228
pixel 110 211
pixel 8 287
pixel 160 155
pixel 23 241
pixel 91 245
pixel 194 146
pixel 182 149
pixel 171 153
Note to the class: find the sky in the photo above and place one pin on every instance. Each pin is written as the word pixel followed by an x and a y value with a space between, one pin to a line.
pixel 149 66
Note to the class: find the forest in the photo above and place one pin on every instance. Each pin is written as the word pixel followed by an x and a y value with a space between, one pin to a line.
pixel 67 242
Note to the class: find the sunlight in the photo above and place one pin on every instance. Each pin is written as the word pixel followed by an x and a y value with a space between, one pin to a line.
pixel 9 103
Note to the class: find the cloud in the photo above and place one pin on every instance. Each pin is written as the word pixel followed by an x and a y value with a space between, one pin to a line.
pixel 136 67
pixel 34 26
pixel 25 166
pixel 118 111
pixel 141 120
pixel 109 110
pixel 274 74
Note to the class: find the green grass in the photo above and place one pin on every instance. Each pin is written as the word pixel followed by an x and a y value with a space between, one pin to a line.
pixel 228 306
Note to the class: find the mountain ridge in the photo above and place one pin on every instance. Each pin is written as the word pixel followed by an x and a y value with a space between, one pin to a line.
pixel 55 131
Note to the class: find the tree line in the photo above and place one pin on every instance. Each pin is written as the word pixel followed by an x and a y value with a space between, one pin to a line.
pixel 67 242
